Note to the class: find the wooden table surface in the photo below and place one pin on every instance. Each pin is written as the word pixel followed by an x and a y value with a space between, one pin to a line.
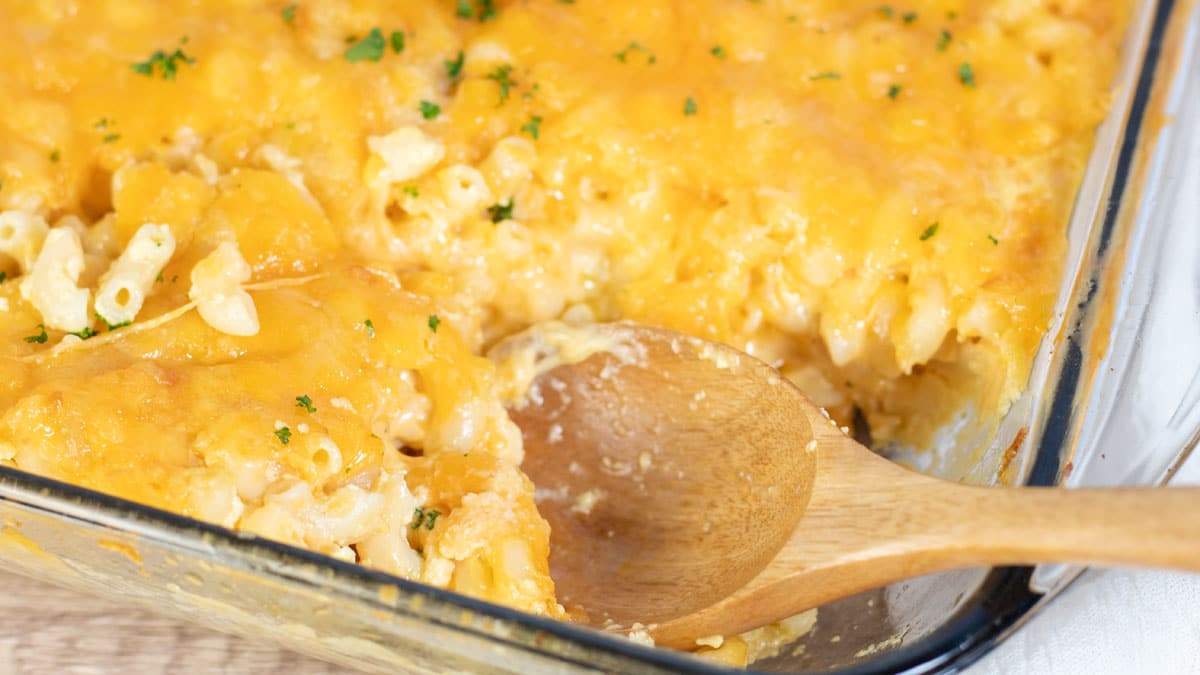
pixel 47 630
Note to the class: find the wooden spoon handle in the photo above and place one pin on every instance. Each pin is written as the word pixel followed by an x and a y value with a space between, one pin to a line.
pixel 929 525
pixel 871 522
pixel 1152 527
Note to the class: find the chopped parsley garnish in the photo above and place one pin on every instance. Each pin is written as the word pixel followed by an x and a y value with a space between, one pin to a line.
pixel 420 515
pixel 944 40
pixel 111 138
pixel 84 334
pixel 284 435
pixel 483 9
pixel 397 41
pixel 114 326
pixel 40 338
pixel 454 68
pixel 929 231
pixel 634 47
pixel 370 48
pixel 434 322
pixel 827 75
pixel 501 211
pixel 289 13
pixel 909 17
pixel 967 75
pixel 894 91
pixel 55 155
pixel 159 278
pixel 718 51
pixel 370 328
pixel 886 10
pixel 689 106
pixel 3 276
pixel 411 191
pixel 502 76
pixel 430 110
pixel 102 123
pixel 168 64
pixel 533 126
pixel 994 240
pixel 306 403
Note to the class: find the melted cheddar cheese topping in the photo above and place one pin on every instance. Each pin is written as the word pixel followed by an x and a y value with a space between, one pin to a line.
pixel 363 196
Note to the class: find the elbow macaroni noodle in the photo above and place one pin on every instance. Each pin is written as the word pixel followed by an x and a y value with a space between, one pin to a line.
pixel 50 286
pixel 218 293
pixel 124 287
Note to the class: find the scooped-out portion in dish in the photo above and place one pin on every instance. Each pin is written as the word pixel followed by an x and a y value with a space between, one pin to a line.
pixel 253 253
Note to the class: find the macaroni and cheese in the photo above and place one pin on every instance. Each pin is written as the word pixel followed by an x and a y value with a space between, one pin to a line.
pixel 254 251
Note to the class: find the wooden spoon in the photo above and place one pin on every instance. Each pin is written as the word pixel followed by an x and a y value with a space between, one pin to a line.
pixel 691 488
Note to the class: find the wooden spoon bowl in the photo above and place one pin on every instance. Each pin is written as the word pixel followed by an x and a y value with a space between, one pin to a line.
pixel 603 446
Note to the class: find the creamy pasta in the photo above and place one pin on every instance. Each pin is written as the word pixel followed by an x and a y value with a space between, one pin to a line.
pixel 254 252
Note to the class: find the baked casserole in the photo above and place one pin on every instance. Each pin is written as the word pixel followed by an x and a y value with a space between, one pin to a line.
pixel 254 253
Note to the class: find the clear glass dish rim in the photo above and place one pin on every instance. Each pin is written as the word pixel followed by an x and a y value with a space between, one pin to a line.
pixel 967 636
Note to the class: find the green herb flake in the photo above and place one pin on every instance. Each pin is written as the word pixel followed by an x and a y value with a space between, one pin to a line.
pixel 168 64
pixel 929 231
pixel 909 17
pixel 55 155
pixel 434 322
pixel 430 110
pixel 397 40
pixel 431 517
pixel 502 76
pixel 718 51
pixel 112 326
pixel 894 91
pixel 306 403
pixel 966 75
pixel 159 278
pixel 827 75
pixel 111 138
pixel 102 123
pixel 3 276
pixel 370 48
pixel 84 334
pixel 289 13
pixel 284 435
pixel 487 10
pixel 465 10
pixel 887 11
pixel 689 106
pixel 623 55
pixel 418 518
pixel 501 211
pixel 533 126
pixel 411 191
pixel 370 328
pixel 454 68
pixel 40 338
pixel 994 240
pixel 944 40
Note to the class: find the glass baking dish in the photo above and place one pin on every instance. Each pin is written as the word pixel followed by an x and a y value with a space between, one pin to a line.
pixel 1111 400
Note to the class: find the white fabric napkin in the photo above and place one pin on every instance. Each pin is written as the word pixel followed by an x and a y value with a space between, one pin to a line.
pixel 1111 621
